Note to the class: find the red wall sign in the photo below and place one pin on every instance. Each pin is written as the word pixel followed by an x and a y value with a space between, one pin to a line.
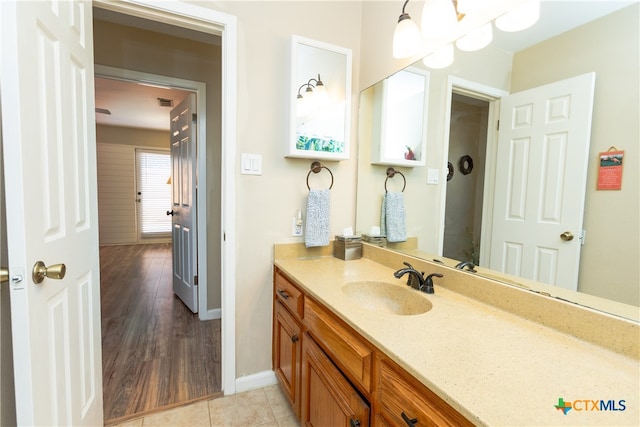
pixel 610 170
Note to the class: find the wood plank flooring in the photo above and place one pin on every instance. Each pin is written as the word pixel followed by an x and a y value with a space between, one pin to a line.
pixel 155 352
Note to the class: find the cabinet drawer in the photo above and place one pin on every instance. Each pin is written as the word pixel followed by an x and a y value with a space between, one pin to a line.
pixel 287 293
pixel 347 349
pixel 400 394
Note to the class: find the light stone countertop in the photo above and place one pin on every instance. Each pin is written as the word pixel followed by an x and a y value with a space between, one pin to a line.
pixel 494 367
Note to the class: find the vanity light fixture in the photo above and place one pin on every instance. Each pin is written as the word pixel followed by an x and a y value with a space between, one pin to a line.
pixel 407 40
pixel 467 22
pixel 315 96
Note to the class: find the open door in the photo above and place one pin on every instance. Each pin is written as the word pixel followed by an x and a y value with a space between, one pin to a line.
pixel 542 160
pixel 183 202
pixel 46 76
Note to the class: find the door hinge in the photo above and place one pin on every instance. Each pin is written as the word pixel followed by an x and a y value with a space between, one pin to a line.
pixel 194 117
pixel 498 125
pixel 195 280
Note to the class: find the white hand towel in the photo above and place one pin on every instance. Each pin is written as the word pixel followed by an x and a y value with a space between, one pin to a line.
pixel 316 232
pixel 392 217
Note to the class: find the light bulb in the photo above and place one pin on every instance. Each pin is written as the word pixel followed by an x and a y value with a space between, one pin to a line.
pixel 520 17
pixel 441 58
pixel 407 40
pixel 438 18
pixel 476 39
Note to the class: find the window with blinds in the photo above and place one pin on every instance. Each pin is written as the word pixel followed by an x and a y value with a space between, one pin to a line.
pixel 153 169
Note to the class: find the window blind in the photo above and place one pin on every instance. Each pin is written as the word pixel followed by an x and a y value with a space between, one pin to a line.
pixel 153 170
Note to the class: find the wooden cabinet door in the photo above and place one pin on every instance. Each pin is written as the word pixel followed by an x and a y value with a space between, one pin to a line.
pixel 287 354
pixel 328 399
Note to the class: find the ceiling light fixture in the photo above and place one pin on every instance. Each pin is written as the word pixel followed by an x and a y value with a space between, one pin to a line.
pixel 468 23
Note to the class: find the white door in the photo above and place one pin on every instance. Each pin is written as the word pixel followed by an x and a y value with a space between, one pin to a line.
pixel 542 159
pixel 46 75
pixel 184 186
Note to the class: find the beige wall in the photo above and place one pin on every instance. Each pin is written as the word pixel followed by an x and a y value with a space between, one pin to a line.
pixel 611 48
pixel 132 136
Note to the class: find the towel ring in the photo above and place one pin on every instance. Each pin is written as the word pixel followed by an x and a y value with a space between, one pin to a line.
pixel 317 167
pixel 391 172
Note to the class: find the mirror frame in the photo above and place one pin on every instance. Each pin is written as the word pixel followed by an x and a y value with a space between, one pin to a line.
pixel 339 80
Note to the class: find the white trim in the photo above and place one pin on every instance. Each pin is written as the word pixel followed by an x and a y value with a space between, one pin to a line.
pixel 491 95
pixel 254 381
pixel 215 313
pixel 201 18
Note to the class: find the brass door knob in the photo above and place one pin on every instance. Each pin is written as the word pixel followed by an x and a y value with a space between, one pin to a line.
pixel 40 271
pixel 567 236
pixel 4 274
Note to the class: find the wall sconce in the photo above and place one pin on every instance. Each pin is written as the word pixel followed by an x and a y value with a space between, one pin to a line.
pixel 315 96
pixel 468 23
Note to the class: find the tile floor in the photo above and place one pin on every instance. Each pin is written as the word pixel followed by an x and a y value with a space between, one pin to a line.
pixel 261 407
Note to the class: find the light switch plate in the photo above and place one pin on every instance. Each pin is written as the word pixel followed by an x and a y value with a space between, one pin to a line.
pixel 251 164
pixel 433 176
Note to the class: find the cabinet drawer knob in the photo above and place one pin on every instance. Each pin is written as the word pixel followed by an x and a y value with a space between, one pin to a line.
pixel 295 338
pixel 354 422
pixel 411 422
pixel 283 294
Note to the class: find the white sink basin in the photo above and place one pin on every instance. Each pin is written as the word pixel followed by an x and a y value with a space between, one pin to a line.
pixel 388 298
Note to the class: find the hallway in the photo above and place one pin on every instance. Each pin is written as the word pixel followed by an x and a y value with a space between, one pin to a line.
pixel 155 352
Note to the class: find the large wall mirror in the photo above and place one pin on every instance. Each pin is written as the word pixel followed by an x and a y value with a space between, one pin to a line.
pixel 465 98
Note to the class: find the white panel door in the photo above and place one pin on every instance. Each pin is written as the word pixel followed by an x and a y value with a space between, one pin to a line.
pixel 46 75
pixel 183 200
pixel 542 161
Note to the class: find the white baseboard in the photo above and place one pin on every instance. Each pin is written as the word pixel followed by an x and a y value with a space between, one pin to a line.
pixel 253 381
pixel 212 314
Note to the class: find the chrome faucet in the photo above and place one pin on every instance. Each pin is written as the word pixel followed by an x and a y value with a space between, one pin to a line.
pixel 470 266
pixel 416 279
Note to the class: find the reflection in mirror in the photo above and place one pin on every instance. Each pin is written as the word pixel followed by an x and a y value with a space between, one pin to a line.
pixel 400 108
pixel 608 46
pixel 319 112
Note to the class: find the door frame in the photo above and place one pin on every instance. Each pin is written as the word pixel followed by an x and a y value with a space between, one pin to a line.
pixel 492 96
pixel 208 20
pixel 199 88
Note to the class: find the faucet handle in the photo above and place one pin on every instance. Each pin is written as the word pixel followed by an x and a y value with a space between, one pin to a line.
pixel 428 283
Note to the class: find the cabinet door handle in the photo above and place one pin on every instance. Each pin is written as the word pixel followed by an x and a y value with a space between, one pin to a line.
pixel 354 422
pixel 283 294
pixel 411 422
pixel 295 338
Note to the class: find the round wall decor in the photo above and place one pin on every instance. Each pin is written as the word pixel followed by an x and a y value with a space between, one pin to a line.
pixel 465 165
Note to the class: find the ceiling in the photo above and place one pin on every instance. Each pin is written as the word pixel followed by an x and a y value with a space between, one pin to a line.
pixel 136 105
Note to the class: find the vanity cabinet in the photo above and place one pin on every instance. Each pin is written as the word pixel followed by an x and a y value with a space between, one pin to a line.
pixel 335 377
